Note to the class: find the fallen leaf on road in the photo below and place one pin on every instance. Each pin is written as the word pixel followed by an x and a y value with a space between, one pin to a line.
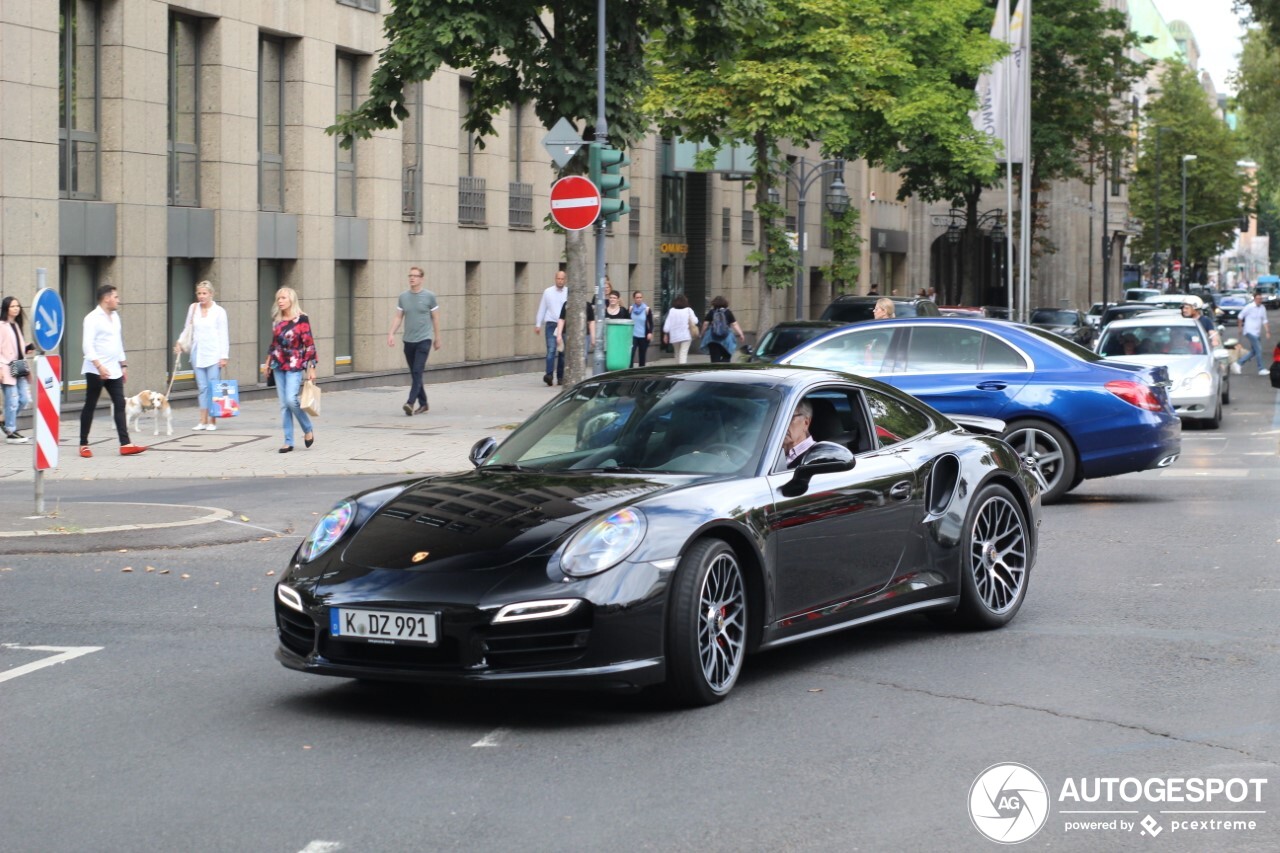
pixel 185 576
pixel 306 746
pixel 244 518
pixel 271 573
pixel 127 569
pixel 151 568
pixel 6 570
pixel 123 551
pixel 815 689
pixel 164 571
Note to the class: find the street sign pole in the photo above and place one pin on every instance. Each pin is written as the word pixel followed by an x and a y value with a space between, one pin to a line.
pixel 602 136
pixel 49 321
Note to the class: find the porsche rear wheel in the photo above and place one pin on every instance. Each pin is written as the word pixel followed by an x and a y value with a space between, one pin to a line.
pixel 707 624
pixel 995 562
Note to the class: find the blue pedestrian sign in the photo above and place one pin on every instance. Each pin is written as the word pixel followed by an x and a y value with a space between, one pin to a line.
pixel 50 319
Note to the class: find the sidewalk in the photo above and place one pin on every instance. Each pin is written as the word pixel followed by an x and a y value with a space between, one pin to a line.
pixel 360 431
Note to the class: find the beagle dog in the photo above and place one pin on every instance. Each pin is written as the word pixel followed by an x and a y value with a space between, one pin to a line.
pixel 148 401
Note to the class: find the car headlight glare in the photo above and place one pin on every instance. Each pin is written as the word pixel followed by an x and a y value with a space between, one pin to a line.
pixel 604 543
pixel 328 530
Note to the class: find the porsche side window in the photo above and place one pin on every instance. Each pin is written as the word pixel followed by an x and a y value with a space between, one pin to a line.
pixel 863 352
pixel 894 421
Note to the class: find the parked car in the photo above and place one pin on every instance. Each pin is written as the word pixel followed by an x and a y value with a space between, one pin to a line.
pixel 1071 324
pixel 857 309
pixel 1128 309
pixel 1141 294
pixel 668 552
pixel 1094 314
pixel 1230 304
pixel 786 335
pixel 1080 416
pixel 1199 386
pixel 960 311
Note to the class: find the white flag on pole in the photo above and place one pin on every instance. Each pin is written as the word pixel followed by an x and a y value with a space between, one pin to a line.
pixel 992 116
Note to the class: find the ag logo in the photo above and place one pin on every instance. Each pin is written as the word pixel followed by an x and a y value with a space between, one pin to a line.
pixel 1008 803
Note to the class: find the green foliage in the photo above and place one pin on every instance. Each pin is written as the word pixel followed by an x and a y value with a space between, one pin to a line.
pixel 1258 102
pixel 522 51
pixel 777 258
pixel 1181 118
pixel 846 250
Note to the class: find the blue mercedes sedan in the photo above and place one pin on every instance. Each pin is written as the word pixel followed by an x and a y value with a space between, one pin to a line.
pixel 1080 416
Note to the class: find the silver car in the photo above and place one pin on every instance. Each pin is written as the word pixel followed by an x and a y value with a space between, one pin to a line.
pixel 1198 383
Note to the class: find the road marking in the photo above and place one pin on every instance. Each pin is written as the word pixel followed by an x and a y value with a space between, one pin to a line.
pixel 254 526
pixel 493 738
pixel 65 653
pixel 1220 473
pixel 322 847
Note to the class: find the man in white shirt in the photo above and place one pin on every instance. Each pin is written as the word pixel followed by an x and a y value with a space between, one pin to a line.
pixel 797 439
pixel 1253 323
pixel 553 299
pixel 105 366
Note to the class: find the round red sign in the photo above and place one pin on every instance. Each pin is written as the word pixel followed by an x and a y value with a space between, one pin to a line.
pixel 575 203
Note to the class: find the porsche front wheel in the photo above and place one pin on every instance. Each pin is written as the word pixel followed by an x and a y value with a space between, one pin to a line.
pixel 707 624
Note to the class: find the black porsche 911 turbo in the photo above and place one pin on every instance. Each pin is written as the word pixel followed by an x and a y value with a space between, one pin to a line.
pixel 645 528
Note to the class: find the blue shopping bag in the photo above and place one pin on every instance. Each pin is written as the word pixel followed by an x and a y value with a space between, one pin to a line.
pixel 226 399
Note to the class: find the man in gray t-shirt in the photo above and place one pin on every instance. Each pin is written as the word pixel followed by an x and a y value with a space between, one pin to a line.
pixel 418 310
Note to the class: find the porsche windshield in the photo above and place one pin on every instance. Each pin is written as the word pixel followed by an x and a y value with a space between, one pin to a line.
pixel 646 424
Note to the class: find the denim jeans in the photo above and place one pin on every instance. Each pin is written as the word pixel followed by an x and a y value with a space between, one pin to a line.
pixel 288 385
pixel 205 379
pixel 16 396
pixel 415 355
pixel 1255 351
pixel 555 360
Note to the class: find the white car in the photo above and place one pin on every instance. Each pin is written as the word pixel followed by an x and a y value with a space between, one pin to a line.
pixel 1199 386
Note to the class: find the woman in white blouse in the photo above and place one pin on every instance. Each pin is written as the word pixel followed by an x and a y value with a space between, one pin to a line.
pixel 678 327
pixel 210 346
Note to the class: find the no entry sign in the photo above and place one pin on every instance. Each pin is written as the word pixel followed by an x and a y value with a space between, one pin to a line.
pixel 575 203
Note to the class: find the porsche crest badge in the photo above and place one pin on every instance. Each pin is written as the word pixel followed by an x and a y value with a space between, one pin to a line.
pixel 420 556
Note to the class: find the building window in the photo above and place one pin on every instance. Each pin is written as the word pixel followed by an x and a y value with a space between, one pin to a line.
pixel 471 188
pixel 78 100
pixel 672 204
pixel 748 226
pixel 344 312
pixel 78 277
pixel 726 224
pixel 270 124
pixel 183 275
pixel 411 159
pixel 345 165
pixel 633 216
pixel 184 112
pixel 270 279
pixel 367 5
pixel 519 193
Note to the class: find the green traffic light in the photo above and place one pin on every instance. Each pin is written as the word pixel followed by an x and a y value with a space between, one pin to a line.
pixel 604 166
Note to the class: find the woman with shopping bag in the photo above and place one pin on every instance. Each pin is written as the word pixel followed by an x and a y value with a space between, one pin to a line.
pixel 206 339
pixel 291 354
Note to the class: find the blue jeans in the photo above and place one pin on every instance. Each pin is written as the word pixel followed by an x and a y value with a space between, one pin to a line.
pixel 415 355
pixel 205 378
pixel 1255 351
pixel 16 396
pixel 288 384
pixel 555 360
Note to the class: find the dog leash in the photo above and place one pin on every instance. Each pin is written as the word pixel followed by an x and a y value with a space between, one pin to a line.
pixel 177 359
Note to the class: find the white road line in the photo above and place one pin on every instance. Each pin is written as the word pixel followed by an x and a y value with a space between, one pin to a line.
pixel 1215 473
pixel 493 738
pixel 254 526
pixel 322 847
pixel 65 653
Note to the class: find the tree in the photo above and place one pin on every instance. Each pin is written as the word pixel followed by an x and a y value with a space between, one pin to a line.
pixel 1258 102
pixel 1181 118
pixel 520 51
pixel 856 76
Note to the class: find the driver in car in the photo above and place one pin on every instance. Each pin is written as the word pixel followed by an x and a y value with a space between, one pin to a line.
pixel 797 439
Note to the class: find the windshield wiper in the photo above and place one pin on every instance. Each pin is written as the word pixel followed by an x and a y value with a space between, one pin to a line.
pixel 612 469
pixel 505 466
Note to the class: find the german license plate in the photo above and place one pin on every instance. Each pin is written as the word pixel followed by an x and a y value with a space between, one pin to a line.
pixel 383 626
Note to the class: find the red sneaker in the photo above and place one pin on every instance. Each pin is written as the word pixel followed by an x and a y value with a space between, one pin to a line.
pixel 86 453
pixel 131 449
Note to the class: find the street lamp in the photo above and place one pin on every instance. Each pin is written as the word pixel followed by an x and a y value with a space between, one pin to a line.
pixel 837 202
pixel 1182 271
pixel 955 221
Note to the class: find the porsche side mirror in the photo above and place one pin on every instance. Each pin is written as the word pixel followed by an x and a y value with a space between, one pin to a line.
pixel 825 457
pixel 482 450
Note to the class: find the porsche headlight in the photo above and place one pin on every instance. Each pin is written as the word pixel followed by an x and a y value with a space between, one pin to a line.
pixel 328 530
pixel 603 544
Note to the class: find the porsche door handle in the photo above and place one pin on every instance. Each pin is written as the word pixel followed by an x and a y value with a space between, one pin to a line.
pixel 900 491
pixel 992 385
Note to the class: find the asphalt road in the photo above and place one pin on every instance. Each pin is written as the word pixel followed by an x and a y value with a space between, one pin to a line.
pixel 1146 649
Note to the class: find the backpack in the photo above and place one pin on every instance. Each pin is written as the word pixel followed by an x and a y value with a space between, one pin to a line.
pixel 719 325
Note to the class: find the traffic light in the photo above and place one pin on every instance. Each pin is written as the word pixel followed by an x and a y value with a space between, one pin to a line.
pixel 605 170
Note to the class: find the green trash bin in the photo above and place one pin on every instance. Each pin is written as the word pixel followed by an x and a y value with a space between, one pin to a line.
pixel 617 344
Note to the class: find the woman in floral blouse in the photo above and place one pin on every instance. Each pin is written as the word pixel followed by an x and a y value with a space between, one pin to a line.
pixel 293 350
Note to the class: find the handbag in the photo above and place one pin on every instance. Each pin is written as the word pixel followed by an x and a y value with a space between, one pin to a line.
pixel 309 398
pixel 184 339
pixel 226 399
pixel 19 368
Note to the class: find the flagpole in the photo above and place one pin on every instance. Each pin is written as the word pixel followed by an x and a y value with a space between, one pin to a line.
pixel 1025 243
pixel 1008 170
